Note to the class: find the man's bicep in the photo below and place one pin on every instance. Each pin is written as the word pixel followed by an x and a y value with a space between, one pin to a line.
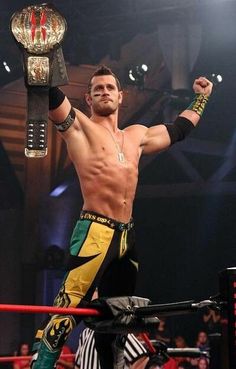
pixel 60 113
pixel 156 139
pixel 65 119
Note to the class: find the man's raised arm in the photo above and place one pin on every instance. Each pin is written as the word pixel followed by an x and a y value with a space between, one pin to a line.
pixel 159 137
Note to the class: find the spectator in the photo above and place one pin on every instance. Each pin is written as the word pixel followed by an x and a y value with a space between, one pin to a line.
pixel 181 343
pixel 202 341
pixel 203 363
pixel 162 333
pixel 171 364
pixel 22 351
pixel 212 321
pixel 65 363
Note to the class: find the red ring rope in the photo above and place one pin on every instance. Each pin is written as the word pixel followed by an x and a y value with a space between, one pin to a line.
pixel 48 309
pixel 6 359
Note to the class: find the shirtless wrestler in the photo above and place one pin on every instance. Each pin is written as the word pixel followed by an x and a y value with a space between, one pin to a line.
pixel 106 160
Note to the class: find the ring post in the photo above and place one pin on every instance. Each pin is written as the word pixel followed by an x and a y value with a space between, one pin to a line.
pixel 227 283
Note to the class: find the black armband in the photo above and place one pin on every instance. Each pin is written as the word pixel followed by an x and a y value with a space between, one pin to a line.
pixel 63 126
pixel 56 98
pixel 179 129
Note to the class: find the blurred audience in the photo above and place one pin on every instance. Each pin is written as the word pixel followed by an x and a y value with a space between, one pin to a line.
pixel 203 363
pixel 212 321
pixel 180 342
pixel 65 363
pixel 162 332
pixel 22 351
pixel 202 341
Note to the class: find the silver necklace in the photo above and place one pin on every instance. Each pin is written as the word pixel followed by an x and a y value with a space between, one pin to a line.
pixel 121 156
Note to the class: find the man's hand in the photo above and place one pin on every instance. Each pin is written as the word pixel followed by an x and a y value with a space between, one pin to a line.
pixel 202 85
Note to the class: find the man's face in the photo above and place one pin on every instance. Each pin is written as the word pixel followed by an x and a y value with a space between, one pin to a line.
pixel 104 97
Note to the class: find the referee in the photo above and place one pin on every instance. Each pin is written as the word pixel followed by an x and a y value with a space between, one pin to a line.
pixel 135 354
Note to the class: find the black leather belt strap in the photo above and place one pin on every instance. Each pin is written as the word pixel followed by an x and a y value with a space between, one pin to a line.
pixel 36 127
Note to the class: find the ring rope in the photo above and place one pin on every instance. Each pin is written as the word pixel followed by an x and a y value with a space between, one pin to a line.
pixel 48 309
pixel 6 359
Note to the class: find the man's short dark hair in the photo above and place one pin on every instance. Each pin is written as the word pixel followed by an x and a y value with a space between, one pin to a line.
pixel 103 70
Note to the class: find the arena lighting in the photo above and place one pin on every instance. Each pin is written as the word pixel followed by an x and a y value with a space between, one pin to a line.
pixel 59 190
pixel 216 79
pixel 6 67
pixel 137 74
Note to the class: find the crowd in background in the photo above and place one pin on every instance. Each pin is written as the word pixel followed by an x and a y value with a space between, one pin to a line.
pixel 212 324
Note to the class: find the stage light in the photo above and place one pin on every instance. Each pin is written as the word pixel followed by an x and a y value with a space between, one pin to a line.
pixel 144 67
pixel 6 67
pixel 131 75
pixel 137 74
pixel 59 190
pixel 216 79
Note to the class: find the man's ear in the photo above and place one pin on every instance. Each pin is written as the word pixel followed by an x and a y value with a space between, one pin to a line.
pixel 120 97
pixel 88 99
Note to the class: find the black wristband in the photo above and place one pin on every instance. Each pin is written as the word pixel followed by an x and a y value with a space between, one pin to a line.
pixel 56 98
pixel 179 129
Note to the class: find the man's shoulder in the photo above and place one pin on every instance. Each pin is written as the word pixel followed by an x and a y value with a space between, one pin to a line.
pixel 136 128
pixel 135 132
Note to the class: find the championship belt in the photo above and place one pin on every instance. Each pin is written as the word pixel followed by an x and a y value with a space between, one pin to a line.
pixel 39 31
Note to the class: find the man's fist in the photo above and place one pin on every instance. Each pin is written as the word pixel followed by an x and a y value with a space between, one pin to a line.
pixel 202 85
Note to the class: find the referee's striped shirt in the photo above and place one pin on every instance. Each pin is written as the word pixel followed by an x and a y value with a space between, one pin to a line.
pixel 86 355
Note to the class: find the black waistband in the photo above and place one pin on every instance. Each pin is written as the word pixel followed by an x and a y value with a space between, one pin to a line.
pixel 109 222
